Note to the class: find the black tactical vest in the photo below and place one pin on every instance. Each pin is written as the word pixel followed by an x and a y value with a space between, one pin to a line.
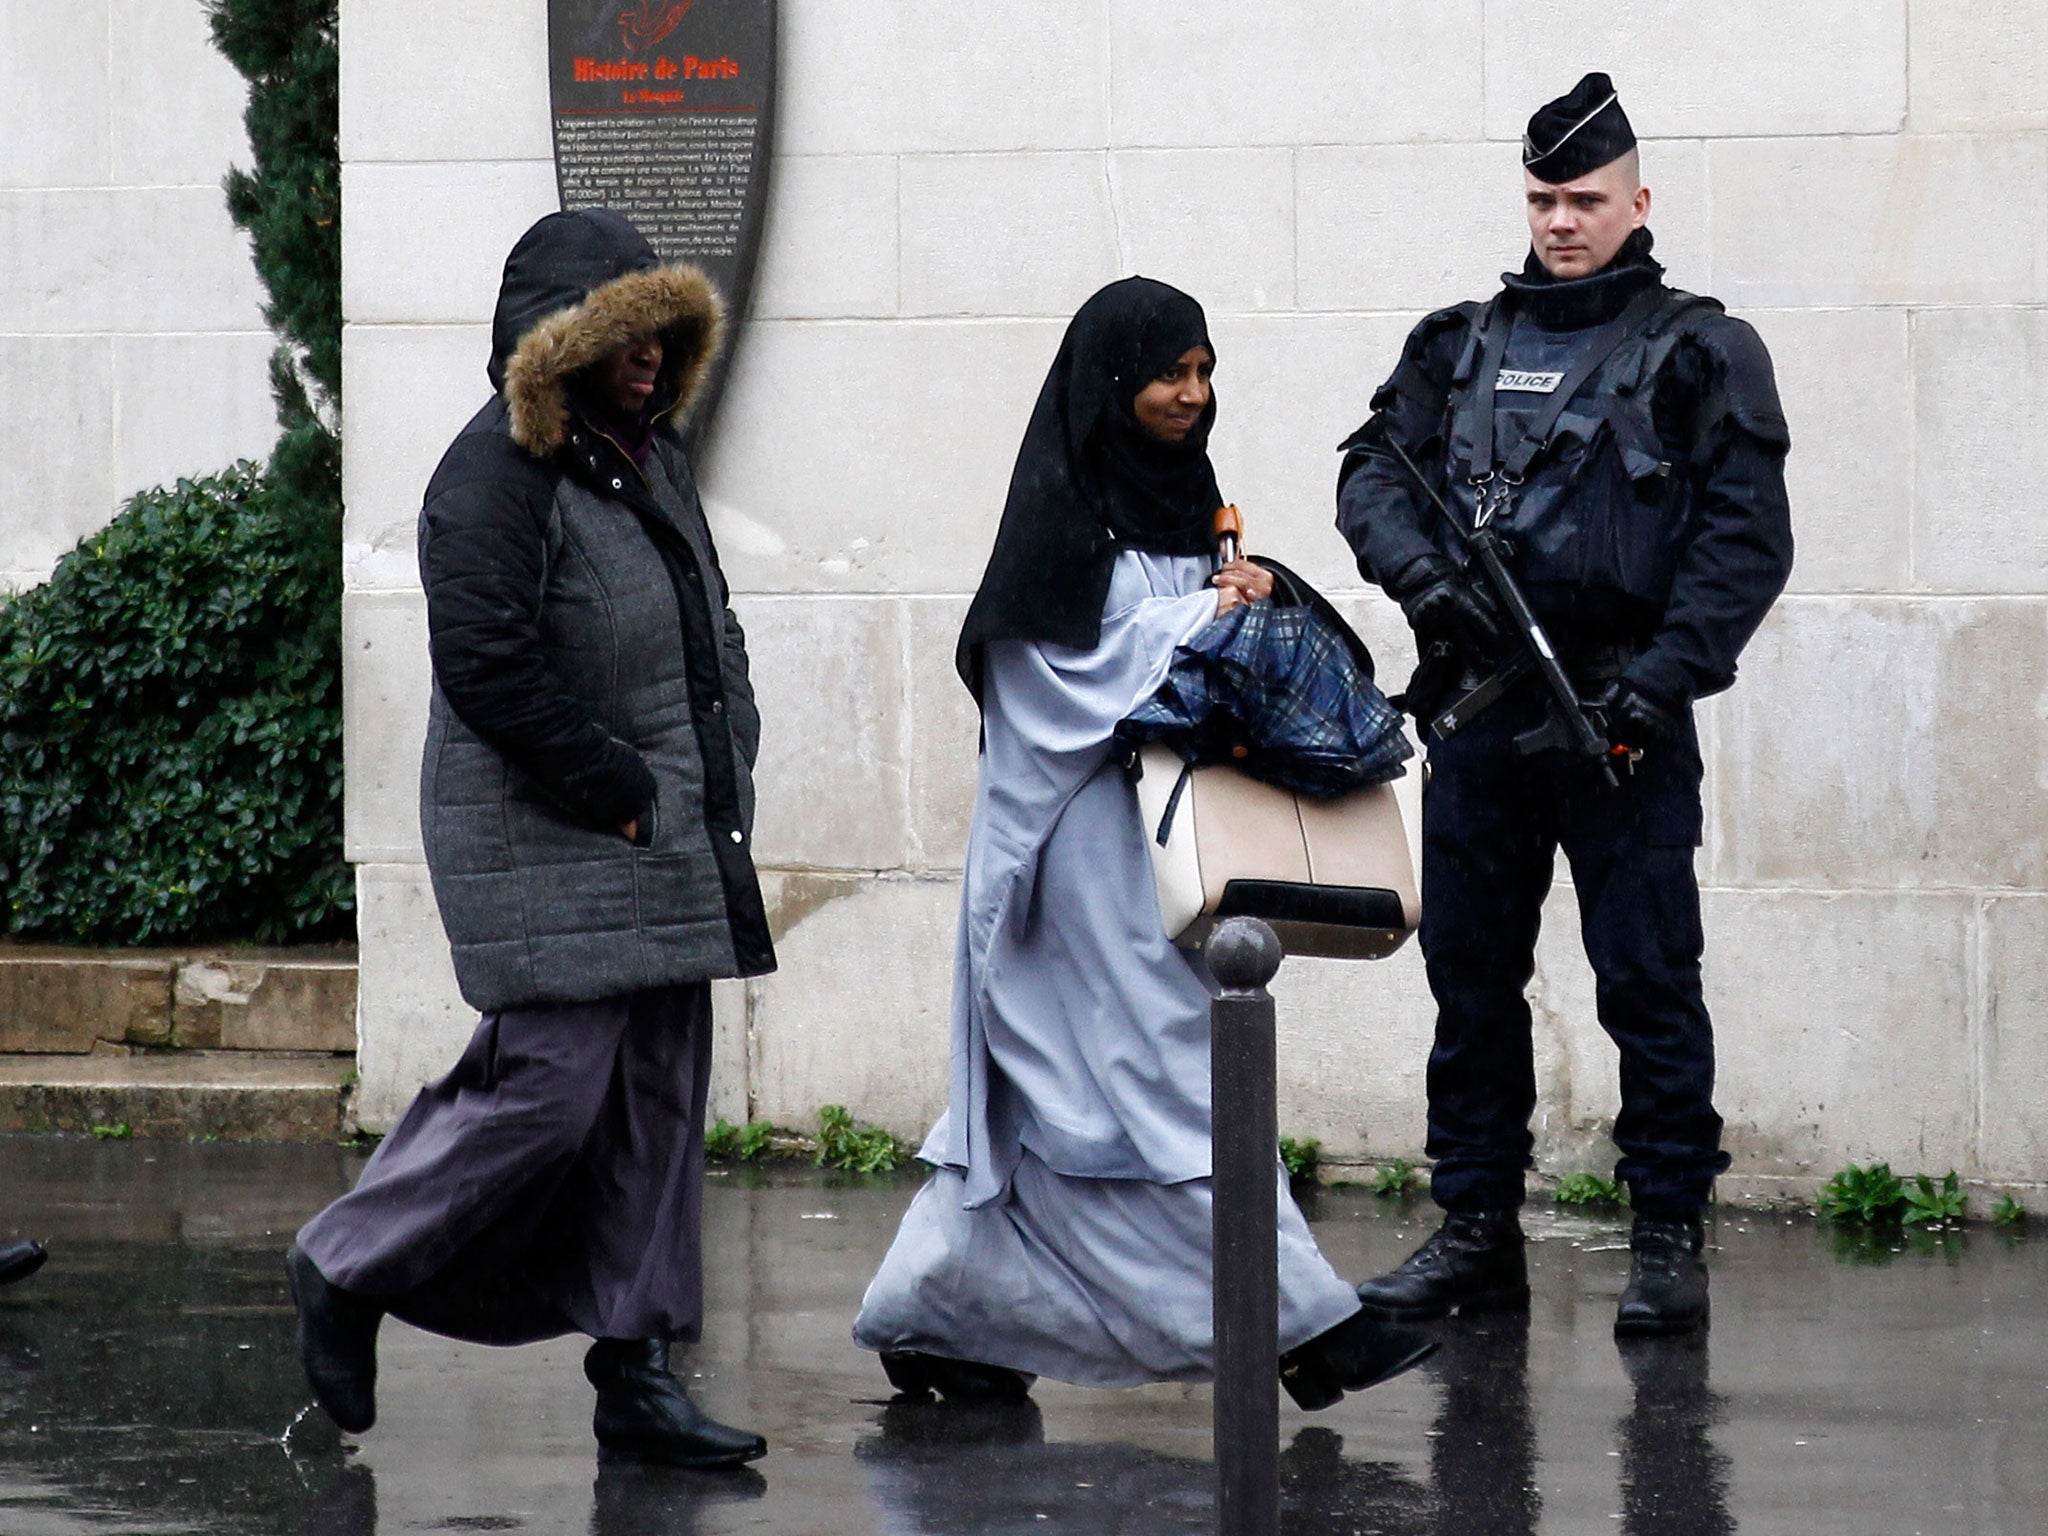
pixel 1597 507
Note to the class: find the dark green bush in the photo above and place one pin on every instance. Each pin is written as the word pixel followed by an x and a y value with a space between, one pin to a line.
pixel 170 729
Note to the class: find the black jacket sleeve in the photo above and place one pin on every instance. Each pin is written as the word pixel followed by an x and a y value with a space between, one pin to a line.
pixel 1739 554
pixel 1384 516
pixel 483 561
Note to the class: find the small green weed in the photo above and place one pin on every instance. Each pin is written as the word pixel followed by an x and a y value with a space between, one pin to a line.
pixel 1866 1195
pixel 1929 1204
pixel 2008 1212
pixel 116 1132
pixel 749 1143
pixel 1588 1189
pixel 856 1148
pixel 1301 1158
pixel 1392 1179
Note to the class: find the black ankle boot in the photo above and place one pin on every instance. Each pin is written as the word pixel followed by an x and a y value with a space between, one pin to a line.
pixel 916 1374
pixel 1474 1262
pixel 1360 1352
pixel 1667 1283
pixel 643 1413
pixel 21 1259
pixel 337 1343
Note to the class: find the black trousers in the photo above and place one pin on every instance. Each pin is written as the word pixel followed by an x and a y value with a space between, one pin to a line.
pixel 551 1183
pixel 1492 823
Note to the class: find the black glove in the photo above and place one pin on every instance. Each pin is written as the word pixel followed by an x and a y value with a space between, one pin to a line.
pixel 1440 604
pixel 1635 719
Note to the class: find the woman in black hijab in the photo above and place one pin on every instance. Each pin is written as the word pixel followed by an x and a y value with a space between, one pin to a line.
pixel 1066 1228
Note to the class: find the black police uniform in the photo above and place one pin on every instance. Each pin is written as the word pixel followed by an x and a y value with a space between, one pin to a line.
pixel 1651 533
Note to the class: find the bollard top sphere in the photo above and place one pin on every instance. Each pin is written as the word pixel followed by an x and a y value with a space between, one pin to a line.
pixel 1243 954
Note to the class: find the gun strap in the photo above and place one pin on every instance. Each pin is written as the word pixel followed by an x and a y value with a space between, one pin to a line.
pixel 1494 345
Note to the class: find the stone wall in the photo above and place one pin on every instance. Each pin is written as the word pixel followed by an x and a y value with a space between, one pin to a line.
pixel 1866 180
pixel 132 349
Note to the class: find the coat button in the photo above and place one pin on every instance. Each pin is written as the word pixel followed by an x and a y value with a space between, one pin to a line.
pixel 618 484
pixel 718 706
pixel 739 837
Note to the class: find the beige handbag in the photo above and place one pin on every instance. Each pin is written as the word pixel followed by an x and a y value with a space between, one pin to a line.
pixel 1331 877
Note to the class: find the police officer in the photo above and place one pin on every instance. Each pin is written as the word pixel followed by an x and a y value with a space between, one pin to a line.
pixel 1625 441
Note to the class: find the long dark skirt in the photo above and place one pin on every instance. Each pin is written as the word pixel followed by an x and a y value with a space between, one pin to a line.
pixel 551 1183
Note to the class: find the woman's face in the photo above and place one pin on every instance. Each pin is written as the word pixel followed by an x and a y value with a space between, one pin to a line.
pixel 624 380
pixel 1171 404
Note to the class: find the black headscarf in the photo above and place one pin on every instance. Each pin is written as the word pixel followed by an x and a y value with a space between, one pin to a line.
pixel 1091 481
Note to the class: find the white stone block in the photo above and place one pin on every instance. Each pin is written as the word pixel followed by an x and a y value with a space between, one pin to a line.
pixel 1353 1040
pixel 944 734
pixel 1886 744
pixel 409 390
pixel 727 1099
pixel 56 440
pixel 386 681
pixel 1310 72
pixel 1980 398
pixel 1289 389
pixel 1744 67
pixel 895 76
pixel 860 1012
pixel 1006 234
pixel 1842 1028
pixel 177 102
pixel 833 778
pixel 189 405
pixel 428 242
pixel 54 82
pixel 1978 66
pixel 411 1022
pixel 401 100
pixel 829 248
pixel 134 260
pixel 1894 220
pixel 1218 223
pixel 2015 1047
pixel 57 251
pixel 177 263
pixel 1846 385
pixel 865 457
pixel 1422 226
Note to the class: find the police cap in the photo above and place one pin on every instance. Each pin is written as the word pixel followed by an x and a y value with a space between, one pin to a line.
pixel 1577 133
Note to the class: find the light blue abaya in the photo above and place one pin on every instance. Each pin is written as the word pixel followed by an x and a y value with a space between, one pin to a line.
pixel 1066 1229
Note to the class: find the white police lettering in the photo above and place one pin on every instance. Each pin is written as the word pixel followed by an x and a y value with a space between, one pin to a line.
pixel 1526 383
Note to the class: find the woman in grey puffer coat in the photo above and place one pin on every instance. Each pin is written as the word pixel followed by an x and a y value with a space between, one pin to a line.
pixel 587 803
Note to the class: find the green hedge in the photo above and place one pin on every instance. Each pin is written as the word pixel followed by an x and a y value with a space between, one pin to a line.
pixel 170 729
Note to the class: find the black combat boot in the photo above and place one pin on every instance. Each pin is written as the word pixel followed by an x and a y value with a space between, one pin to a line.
pixel 643 1413
pixel 1667 1283
pixel 20 1260
pixel 916 1374
pixel 337 1343
pixel 1474 1262
pixel 1360 1352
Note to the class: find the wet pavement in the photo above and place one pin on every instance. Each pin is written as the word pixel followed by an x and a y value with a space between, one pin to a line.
pixel 147 1385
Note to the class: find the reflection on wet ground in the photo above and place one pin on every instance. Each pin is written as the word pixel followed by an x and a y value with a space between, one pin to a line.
pixel 147 1385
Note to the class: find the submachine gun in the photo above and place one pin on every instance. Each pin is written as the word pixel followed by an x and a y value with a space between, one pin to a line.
pixel 1570 724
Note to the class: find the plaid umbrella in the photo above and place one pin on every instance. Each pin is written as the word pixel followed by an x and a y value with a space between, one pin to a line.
pixel 1283 691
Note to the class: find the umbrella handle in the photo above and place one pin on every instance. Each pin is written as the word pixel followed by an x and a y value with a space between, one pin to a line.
pixel 1229 525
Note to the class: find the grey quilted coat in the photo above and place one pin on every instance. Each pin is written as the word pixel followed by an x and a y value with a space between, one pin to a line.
pixel 588 672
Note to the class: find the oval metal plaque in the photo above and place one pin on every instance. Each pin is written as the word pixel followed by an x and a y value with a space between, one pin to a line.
pixel 665 112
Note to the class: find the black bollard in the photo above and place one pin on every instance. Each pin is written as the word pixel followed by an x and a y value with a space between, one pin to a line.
pixel 1243 956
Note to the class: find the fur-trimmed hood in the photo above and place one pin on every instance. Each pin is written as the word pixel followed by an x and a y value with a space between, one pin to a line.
pixel 578 285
